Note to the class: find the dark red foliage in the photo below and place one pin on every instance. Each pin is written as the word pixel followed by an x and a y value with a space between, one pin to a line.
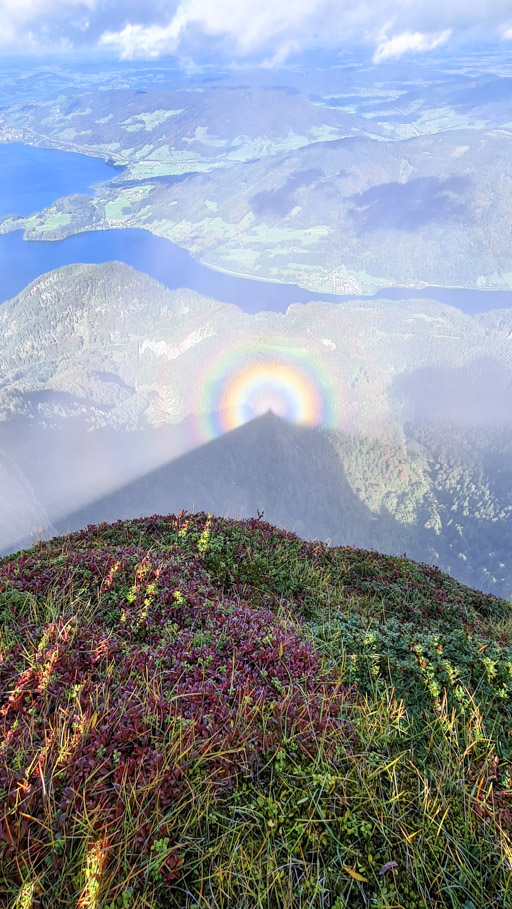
pixel 162 679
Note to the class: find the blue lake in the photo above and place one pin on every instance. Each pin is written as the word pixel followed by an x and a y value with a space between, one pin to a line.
pixel 32 178
pixel 21 261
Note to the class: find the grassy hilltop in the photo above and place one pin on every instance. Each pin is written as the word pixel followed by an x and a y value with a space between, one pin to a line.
pixel 198 712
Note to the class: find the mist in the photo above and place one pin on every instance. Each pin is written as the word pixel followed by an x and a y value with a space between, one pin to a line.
pixel 356 441
pixel 279 289
pixel 24 519
pixel 478 394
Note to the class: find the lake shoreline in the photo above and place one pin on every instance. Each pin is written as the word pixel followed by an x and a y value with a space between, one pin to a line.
pixel 23 259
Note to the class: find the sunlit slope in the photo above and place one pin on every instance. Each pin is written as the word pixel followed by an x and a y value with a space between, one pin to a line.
pixel 346 216
pixel 116 347
pixel 198 711
pixel 174 129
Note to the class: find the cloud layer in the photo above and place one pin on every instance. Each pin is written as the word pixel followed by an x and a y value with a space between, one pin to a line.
pixel 398 45
pixel 266 29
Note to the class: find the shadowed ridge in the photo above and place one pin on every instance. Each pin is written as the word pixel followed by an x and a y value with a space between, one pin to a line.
pixel 290 472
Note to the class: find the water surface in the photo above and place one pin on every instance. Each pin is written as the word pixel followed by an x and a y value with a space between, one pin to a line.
pixel 31 178
pixel 22 261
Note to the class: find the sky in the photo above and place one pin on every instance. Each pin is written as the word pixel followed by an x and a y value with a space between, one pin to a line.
pixel 264 30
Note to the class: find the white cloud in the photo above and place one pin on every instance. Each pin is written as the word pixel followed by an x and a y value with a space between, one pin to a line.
pixel 405 42
pixel 147 41
pixel 281 55
pixel 271 30
pixel 22 21
pixel 247 26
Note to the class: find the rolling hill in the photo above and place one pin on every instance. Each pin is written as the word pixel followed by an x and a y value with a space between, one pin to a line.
pixel 200 711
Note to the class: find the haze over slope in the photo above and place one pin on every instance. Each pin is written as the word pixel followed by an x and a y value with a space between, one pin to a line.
pixel 23 518
pixel 106 376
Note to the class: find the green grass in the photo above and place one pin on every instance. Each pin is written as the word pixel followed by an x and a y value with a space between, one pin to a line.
pixel 197 712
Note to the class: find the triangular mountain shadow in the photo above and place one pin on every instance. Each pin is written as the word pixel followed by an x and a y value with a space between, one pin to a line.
pixel 289 472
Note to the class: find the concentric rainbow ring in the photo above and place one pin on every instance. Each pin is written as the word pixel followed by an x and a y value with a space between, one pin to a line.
pixel 246 378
